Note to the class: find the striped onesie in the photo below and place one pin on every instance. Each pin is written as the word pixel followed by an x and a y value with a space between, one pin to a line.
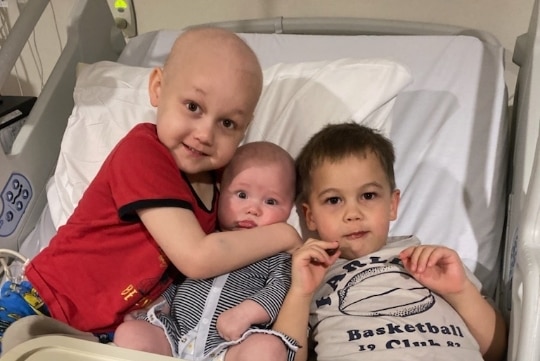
pixel 196 304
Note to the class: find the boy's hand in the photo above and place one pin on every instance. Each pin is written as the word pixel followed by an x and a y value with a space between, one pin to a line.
pixel 310 263
pixel 436 267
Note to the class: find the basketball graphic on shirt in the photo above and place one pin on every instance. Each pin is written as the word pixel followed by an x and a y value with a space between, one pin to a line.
pixel 384 299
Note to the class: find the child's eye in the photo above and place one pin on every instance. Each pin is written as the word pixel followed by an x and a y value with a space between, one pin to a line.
pixel 369 196
pixel 271 202
pixel 332 200
pixel 241 194
pixel 192 107
pixel 227 123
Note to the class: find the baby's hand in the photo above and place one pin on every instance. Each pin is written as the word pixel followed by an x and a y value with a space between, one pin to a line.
pixel 436 267
pixel 231 324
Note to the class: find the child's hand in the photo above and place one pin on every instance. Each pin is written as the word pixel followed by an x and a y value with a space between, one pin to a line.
pixel 437 268
pixel 231 324
pixel 310 263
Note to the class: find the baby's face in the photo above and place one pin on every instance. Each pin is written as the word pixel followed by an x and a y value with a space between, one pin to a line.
pixel 256 196
pixel 351 202
pixel 204 107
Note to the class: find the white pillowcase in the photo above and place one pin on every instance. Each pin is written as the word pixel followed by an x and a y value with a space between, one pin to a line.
pixel 109 100
pixel 297 100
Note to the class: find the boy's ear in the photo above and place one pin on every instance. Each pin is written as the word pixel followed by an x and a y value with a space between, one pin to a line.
pixel 154 86
pixel 308 216
pixel 394 203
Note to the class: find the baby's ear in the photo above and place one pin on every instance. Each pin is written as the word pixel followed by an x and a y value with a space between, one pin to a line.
pixel 154 86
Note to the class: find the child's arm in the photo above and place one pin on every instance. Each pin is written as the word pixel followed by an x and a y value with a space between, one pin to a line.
pixel 232 323
pixel 309 265
pixel 200 255
pixel 440 269
pixel 262 305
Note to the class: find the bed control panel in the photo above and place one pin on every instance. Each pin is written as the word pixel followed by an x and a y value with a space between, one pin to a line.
pixel 15 196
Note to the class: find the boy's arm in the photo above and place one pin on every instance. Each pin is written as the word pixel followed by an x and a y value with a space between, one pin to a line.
pixel 441 270
pixel 293 321
pixel 483 320
pixel 200 255
pixel 309 265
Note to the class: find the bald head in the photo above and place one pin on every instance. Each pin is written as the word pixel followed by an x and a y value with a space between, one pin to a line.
pixel 260 154
pixel 215 44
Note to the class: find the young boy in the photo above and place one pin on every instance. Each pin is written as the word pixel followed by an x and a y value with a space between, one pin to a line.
pixel 362 293
pixel 151 209
pixel 208 319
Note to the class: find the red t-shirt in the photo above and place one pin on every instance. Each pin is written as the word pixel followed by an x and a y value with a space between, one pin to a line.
pixel 103 262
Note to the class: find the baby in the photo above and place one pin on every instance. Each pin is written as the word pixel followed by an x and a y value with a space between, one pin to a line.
pixel 207 319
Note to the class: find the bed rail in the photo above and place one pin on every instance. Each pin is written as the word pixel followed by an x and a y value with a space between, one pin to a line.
pixel 22 29
pixel 522 266
pixel 350 26
pixel 35 150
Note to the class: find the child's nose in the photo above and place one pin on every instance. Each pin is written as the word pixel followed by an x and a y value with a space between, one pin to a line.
pixel 254 209
pixel 353 213
pixel 204 131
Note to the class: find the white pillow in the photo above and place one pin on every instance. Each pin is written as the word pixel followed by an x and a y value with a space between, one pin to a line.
pixel 297 100
pixel 109 100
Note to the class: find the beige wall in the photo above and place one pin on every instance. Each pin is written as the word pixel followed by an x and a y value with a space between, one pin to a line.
pixel 506 19
pixel 42 50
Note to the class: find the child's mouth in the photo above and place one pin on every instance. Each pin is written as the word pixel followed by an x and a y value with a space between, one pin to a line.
pixel 193 150
pixel 246 224
pixel 355 235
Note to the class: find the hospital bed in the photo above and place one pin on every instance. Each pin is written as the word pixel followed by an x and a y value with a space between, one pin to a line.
pixel 466 163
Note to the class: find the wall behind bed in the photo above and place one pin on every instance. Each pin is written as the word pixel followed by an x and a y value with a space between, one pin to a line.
pixel 41 52
pixel 506 19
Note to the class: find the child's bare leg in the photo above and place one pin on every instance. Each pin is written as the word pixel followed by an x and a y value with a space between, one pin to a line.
pixel 260 347
pixel 143 336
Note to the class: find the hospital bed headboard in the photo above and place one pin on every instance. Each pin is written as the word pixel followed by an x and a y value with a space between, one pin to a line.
pixel 349 26
pixel 49 116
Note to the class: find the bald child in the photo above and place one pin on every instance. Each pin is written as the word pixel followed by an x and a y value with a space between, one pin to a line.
pixel 150 213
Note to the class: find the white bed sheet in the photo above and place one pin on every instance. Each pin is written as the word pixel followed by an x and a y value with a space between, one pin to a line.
pixel 449 130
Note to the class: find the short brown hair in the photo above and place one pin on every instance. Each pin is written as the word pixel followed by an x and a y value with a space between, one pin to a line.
pixel 337 141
